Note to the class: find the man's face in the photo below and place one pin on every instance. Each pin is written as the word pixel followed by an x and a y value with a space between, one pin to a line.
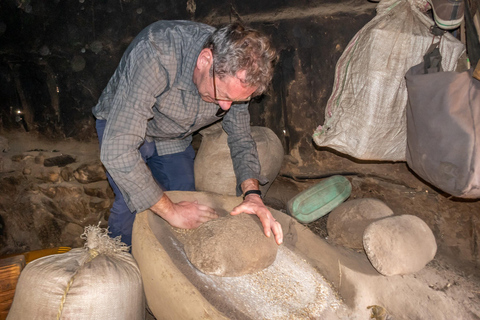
pixel 227 91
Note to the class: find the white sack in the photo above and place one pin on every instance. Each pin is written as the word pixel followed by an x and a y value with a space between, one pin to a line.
pixel 100 281
pixel 365 114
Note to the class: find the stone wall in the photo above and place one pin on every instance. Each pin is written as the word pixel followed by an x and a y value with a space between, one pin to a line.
pixel 49 193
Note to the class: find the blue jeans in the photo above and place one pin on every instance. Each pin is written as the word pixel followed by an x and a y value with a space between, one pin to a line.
pixel 172 172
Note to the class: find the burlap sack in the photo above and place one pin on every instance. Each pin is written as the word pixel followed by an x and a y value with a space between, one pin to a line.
pixel 100 281
pixel 365 114
pixel 213 164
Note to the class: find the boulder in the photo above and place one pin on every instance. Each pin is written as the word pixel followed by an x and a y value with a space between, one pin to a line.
pixel 90 172
pixel 347 222
pixel 399 245
pixel 59 161
pixel 231 246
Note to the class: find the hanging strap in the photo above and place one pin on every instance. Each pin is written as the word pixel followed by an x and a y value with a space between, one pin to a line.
pixel 432 58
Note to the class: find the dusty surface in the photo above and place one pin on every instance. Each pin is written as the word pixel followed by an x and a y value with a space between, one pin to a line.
pixel 46 206
pixel 291 288
pixel 454 222
pixel 360 286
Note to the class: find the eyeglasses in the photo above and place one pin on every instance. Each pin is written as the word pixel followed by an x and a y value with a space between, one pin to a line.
pixel 224 99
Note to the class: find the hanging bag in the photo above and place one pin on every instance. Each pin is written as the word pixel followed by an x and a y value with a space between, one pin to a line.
pixel 443 128
pixel 365 114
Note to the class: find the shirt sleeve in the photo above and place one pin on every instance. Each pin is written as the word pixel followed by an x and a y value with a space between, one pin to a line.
pixel 243 149
pixel 140 78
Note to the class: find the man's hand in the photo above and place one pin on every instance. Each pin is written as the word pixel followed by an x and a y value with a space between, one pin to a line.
pixel 253 204
pixel 185 215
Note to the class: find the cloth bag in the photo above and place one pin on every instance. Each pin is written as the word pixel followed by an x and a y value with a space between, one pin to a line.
pixel 99 281
pixel 365 114
pixel 443 129
pixel 213 163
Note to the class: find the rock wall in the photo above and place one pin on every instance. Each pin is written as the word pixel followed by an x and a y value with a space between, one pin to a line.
pixel 49 195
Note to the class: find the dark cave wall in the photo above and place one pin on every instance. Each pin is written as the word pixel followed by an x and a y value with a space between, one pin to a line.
pixel 57 56
pixel 308 50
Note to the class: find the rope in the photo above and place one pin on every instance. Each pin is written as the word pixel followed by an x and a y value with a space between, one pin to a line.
pixel 97 242
pixel 92 254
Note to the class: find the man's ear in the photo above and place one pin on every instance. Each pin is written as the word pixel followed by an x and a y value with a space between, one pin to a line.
pixel 205 59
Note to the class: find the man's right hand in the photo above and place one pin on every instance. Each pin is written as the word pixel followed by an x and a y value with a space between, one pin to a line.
pixel 184 214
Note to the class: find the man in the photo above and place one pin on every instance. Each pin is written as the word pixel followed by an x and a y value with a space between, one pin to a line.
pixel 175 78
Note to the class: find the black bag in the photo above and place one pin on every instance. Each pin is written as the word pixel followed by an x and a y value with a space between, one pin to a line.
pixel 443 128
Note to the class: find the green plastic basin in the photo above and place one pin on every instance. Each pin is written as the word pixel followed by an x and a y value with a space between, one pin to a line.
pixel 320 199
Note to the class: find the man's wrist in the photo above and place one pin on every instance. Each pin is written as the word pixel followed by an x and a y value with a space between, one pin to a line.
pixel 249 192
pixel 164 207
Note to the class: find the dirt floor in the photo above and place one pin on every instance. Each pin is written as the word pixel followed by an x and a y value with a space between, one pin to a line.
pixel 454 222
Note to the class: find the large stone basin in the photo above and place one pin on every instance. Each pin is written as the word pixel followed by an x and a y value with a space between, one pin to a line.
pixel 327 282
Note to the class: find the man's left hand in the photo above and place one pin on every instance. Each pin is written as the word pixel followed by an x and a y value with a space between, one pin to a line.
pixel 253 204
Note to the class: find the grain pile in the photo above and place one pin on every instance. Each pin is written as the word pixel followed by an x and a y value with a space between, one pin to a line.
pixel 289 289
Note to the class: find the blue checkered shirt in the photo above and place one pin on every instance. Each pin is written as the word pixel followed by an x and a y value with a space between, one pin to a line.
pixel 152 96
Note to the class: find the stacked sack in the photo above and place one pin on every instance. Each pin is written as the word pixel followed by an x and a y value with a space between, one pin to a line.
pixel 99 281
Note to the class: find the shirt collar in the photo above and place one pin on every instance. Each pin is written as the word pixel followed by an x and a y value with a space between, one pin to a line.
pixel 184 80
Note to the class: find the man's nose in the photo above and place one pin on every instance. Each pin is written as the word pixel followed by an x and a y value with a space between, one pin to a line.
pixel 225 105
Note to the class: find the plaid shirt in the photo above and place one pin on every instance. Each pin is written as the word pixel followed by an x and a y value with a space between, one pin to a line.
pixel 152 96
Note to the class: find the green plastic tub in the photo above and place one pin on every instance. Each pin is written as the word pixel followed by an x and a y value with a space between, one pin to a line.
pixel 320 199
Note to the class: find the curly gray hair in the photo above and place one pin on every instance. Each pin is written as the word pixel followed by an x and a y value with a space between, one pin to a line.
pixel 236 48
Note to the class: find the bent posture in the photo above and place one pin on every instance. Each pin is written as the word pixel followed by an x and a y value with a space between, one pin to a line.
pixel 175 78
